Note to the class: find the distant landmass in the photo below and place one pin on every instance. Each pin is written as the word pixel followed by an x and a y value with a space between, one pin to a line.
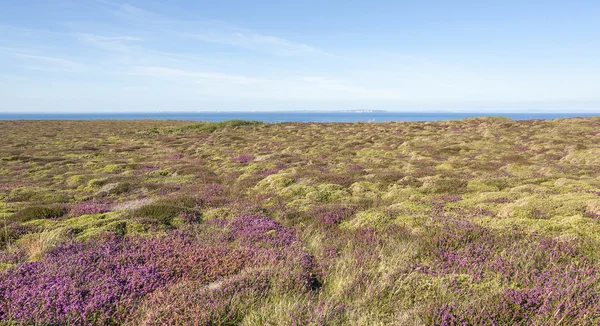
pixel 363 111
pixel 290 116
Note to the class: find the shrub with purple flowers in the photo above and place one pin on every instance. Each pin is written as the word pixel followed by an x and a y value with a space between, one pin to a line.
pixel 541 291
pixel 104 281
pixel 242 159
pixel 198 303
pixel 84 208
pixel 331 215
pixel 257 230
pixel 268 172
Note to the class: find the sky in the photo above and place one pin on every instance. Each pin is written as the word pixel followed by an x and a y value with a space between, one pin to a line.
pixel 199 55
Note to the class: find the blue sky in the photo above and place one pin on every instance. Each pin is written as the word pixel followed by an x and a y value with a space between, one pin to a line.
pixel 185 55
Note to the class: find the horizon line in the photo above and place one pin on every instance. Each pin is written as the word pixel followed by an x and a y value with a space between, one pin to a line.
pixel 532 111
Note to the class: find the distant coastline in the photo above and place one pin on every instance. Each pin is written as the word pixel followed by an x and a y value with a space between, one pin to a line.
pixel 291 116
pixel 362 111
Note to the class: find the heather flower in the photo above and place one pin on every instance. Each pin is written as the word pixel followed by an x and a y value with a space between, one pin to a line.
pixel 256 229
pixel 146 168
pixel 591 214
pixel 89 208
pixel 268 172
pixel 331 215
pixel 242 159
pixel 355 168
pixel 103 281
pixel 211 194
pixel 446 315
pixel 197 303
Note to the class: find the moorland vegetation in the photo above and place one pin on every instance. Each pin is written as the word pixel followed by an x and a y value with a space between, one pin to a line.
pixel 477 221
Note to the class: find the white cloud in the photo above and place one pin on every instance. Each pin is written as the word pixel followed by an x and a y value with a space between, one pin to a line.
pixel 214 31
pixel 257 42
pixel 219 85
pixel 164 72
pixel 53 60
pixel 109 43
pixel 47 62
pixel 132 12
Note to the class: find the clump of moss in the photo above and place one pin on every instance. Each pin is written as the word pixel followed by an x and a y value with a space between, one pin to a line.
pixel 159 173
pixel 326 193
pixel 274 183
pixel 439 185
pixel 368 219
pixel 111 168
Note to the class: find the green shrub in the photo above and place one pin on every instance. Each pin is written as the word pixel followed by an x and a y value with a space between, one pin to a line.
pixel 439 185
pixel 40 212
pixel 164 211
pixel 11 231
pixel 43 196
pixel 159 173
pixel 214 126
pixel 121 188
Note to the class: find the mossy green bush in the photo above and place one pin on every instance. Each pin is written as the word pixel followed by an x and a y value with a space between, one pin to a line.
pixel 160 173
pixel 92 225
pixel 42 196
pixel 111 168
pixel 369 219
pixel 40 212
pixel 121 187
pixel 274 183
pixel 540 206
pixel 77 180
pixel 166 210
pixel 214 126
pixel 478 186
pixel 325 193
pixel 443 185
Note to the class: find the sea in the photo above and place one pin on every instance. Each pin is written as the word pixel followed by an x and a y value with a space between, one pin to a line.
pixel 290 116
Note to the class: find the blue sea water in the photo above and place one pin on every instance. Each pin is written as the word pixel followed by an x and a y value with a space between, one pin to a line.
pixel 288 116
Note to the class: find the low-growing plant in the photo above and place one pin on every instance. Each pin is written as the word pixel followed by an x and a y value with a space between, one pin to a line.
pixel 164 211
pixel 107 280
pixel 84 208
pixel 331 215
pixel 477 221
pixel 12 231
pixel 40 212
pixel 214 126
pixel 121 187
